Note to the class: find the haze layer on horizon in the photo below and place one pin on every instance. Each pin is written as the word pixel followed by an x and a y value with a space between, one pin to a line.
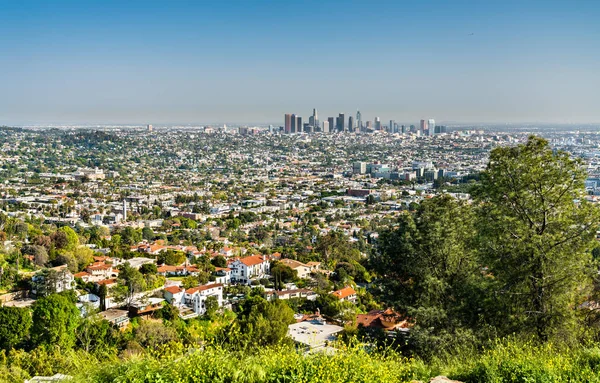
pixel 241 61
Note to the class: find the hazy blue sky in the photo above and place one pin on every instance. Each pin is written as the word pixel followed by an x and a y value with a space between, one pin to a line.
pixel 252 61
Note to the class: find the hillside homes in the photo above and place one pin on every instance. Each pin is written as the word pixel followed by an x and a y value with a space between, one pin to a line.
pixel 246 269
pixel 303 270
pixel 346 294
pixel 194 298
pixel 52 280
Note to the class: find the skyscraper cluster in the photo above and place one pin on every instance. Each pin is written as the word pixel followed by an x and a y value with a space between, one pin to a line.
pixel 339 124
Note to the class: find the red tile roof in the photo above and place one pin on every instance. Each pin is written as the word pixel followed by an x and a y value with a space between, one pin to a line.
pixel 252 260
pixel 345 292
pixel 203 288
pixel 81 274
pixel 174 289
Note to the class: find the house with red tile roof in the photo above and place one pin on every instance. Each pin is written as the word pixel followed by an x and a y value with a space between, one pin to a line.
pixel 195 297
pixel 174 295
pixel 246 269
pixel 346 294
pixel 388 320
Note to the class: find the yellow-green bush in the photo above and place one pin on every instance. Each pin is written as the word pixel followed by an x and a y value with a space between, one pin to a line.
pixel 507 361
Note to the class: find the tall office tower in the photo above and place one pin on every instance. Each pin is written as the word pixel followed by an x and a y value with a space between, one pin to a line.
pixel 299 124
pixel 430 126
pixel 288 123
pixel 149 128
pixel 325 126
pixel 293 127
pixel 350 124
pixel 315 118
pixel 403 129
pixel 369 125
pixel 341 122
pixel 332 124
pixel 423 127
pixel 377 123
pixel 358 120
pixel 391 127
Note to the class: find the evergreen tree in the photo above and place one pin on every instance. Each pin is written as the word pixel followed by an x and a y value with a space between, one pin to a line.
pixel 537 230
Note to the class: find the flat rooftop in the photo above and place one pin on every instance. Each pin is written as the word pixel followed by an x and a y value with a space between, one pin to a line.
pixel 112 314
pixel 313 333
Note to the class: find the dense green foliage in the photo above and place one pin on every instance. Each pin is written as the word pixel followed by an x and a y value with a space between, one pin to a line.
pixel 55 319
pixel 14 326
pixel 507 361
pixel 518 260
pixel 536 233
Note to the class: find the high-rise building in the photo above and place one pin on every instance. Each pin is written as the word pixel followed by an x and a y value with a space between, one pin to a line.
pixel 149 128
pixel 377 123
pixel 423 127
pixel 299 124
pixel 369 125
pixel 325 126
pixel 332 124
pixel 341 122
pixel 293 126
pixel 350 124
pixel 439 129
pixel 403 129
pixel 431 123
pixel 312 120
pixel 430 126
pixel 358 121
pixel 391 127
pixel 288 123
pixel 359 167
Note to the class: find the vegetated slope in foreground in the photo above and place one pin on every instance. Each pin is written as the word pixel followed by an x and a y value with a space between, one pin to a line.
pixel 505 362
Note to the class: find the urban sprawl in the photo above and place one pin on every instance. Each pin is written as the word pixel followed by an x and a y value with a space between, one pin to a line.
pixel 133 220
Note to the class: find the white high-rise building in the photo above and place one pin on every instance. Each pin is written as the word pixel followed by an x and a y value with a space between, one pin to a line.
pixel 431 126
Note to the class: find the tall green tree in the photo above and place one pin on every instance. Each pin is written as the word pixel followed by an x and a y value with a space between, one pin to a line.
pixel 15 323
pixel 265 323
pixel 55 319
pixel 429 271
pixel 537 230
pixel 130 282
pixel 72 238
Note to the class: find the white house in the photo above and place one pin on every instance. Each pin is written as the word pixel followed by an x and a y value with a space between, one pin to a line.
pixel 100 270
pixel 223 275
pixel 195 298
pixel 174 295
pixel 53 280
pixel 245 269
pixel 289 294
